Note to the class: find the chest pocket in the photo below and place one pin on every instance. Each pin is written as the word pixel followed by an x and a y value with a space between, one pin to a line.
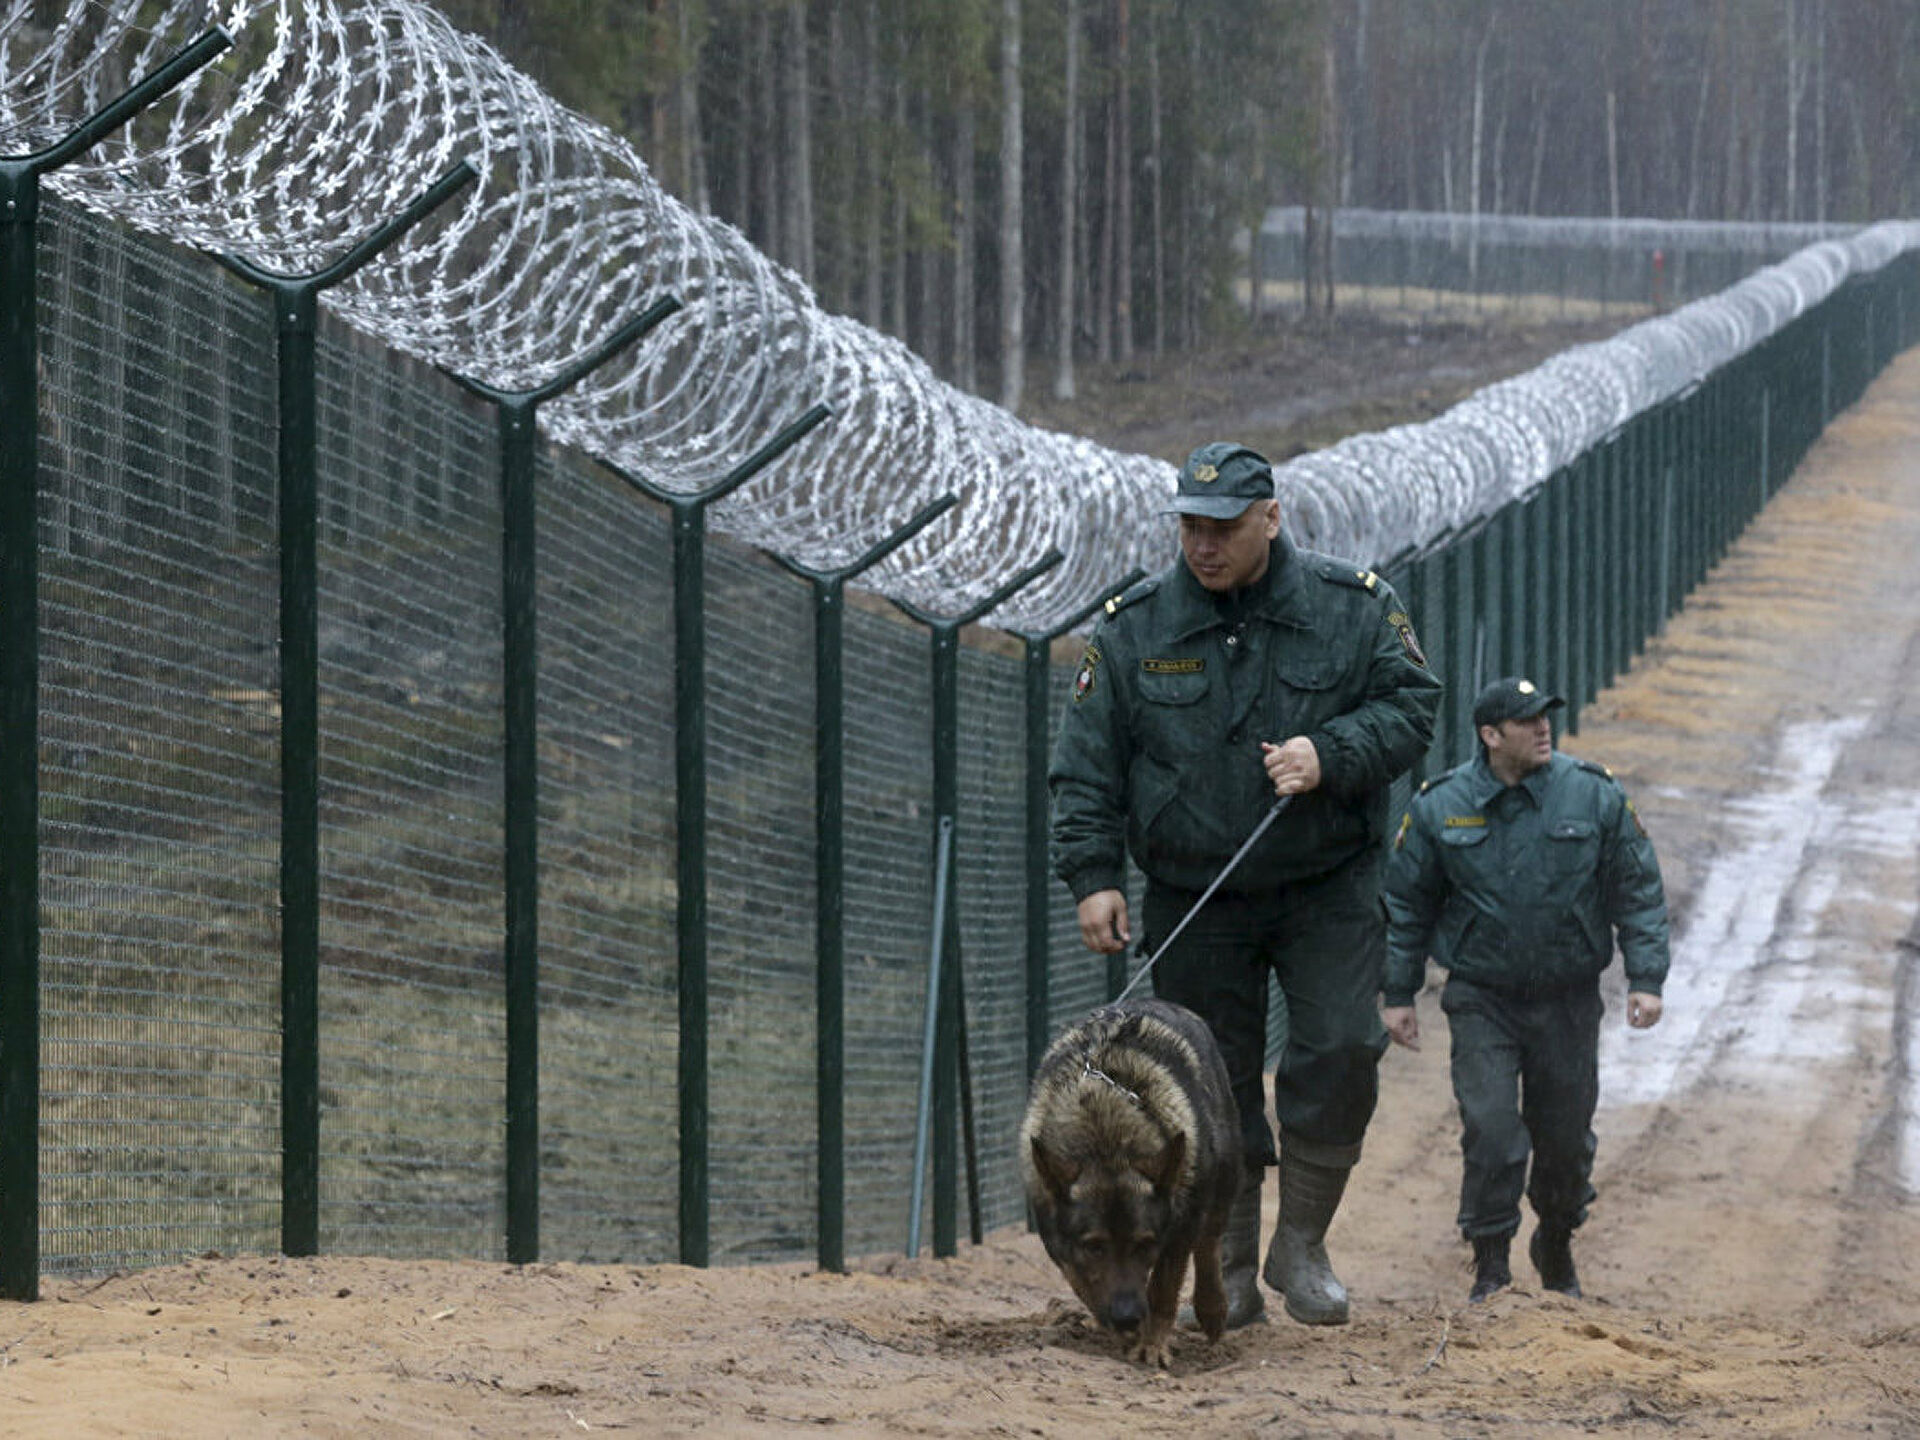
pixel 1463 849
pixel 1302 668
pixel 1172 717
pixel 1573 847
pixel 1180 689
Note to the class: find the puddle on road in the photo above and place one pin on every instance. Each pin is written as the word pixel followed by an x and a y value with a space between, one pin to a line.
pixel 1760 988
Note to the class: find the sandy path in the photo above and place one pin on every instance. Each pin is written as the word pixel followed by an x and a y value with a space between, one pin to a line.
pixel 1752 1263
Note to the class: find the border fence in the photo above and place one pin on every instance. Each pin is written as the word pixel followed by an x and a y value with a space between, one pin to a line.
pixel 168 1122
pixel 418 840
pixel 1532 267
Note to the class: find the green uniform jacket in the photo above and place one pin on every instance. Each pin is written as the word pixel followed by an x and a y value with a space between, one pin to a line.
pixel 1523 888
pixel 1159 752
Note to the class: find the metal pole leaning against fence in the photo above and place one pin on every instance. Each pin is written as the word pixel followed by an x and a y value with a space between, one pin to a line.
pixel 944 1063
pixel 690 812
pixel 1038 673
pixel 20 659
pixel 829 854
pixel 295 301
pixel 518 413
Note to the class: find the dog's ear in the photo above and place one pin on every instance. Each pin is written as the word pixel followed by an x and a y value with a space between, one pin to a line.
pixel 1165 1171
pixel 1056 1172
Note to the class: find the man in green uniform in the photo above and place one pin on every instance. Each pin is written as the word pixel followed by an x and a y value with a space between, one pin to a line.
pixel 1517 871
pixel 1248 670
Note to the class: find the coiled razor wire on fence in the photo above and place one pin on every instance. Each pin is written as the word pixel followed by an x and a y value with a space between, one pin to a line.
pixel 324 121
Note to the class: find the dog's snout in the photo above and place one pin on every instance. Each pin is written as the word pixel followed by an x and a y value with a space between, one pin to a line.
pixel 1126 1312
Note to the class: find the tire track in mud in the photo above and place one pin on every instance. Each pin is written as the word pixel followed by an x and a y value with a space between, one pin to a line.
pixel 1758 1148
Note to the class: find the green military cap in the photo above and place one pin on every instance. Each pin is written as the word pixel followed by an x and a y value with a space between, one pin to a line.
pixel 1511 698
pixel 1220 480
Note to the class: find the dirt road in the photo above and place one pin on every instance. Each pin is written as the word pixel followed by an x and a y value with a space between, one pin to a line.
pixel 1752 1265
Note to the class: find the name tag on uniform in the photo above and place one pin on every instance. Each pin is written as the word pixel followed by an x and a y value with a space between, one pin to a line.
pixel 1173 667
pixel 1465 822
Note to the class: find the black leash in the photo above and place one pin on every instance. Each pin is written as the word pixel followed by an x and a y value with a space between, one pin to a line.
pixel 1273 813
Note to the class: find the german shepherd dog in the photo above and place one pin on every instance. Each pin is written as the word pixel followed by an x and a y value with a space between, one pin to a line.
pixel 1131 1154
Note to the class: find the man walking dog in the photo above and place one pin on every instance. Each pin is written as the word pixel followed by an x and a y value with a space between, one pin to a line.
pixel 1251 670
pixel 1516 872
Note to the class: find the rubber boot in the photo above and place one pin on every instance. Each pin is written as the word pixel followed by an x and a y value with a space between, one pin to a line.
pixel 1240 1257
pixel 1297 1264
pixel 1491 1273
pixel 1551 1250
pixel 1240 1253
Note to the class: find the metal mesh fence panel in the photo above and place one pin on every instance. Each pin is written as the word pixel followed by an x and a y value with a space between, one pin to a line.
pixel 159 782
pixel 889 902
pixel 609 1025
pixel 992 894
pixel 159 999
pixel 761 909
pixel 412 1047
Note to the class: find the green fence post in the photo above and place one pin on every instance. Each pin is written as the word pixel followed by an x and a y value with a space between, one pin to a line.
pixel 518 418
pixel 1513 569
pixel 689 514
pixel 295 303
pixel 1538 604
pixel 1037 673
pixel 945 993
pixel 20 659
pixel 19 739
pixel 830 871
pixel 1559 644
pixel 1589 545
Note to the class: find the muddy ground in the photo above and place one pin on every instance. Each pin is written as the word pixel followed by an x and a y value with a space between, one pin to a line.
pixel 1292 386
pixel 1751 1267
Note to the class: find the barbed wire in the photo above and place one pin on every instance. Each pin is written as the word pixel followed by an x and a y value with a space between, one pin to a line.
pixel 324 121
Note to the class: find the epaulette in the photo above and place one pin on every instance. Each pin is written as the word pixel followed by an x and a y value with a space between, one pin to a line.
pixel 1448 774
pixel 1594 765
pixel 1133 594
pixel 1346 575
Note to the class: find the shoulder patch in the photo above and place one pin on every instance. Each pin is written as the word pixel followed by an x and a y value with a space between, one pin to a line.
pixel 1132 595
pixel 1088 674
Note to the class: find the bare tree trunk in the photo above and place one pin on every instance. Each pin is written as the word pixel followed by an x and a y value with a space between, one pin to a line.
pixel 1356 131
pixel 1103 317
pixel 1730 179
pixel 1820 115
pixel 1497 205
pixel 1013 259
pixel 1473 155
pixel 873 191
pixel 1796 78
pixel 1326 163
pixel 1063 386
pixel 1613 157
pixel 799 184
pixel 928 330
pixel 1693 148
pixel 767 115
pixel 1539 156
pixel 691 147
pixel 1156 161
pixel 1123 186
pixel 965 351
pixel 899 270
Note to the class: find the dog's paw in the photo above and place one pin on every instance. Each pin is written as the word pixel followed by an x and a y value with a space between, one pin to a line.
pixel 1153 1350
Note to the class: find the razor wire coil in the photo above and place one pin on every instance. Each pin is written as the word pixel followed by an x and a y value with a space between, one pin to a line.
pixel 326 119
